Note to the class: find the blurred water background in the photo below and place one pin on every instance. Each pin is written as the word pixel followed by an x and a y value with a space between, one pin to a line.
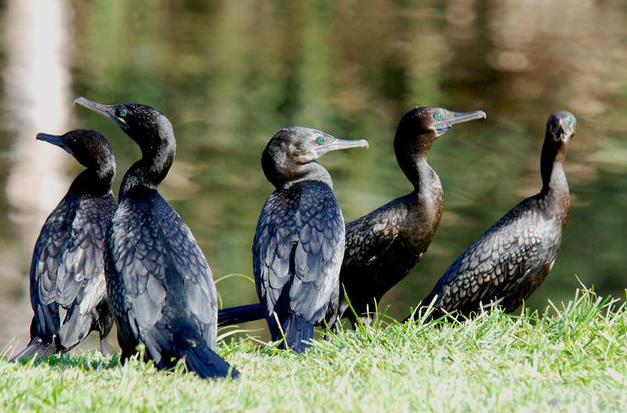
pixel 229 74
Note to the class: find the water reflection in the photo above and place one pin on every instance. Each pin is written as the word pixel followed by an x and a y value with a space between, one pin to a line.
pixel 230 74
pixel 37 84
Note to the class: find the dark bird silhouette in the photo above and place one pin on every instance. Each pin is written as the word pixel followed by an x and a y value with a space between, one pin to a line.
pixel 383 246
pixel 67 273
pixel 299 242
pixel 158 280
pixel 510 261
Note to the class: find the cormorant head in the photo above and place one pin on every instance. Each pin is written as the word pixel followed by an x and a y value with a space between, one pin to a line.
pixel 434 121
pixel 290 149
pixel 90 148
pixel 561 126
pixel 151 130
pixel 148 127
pixel 417 131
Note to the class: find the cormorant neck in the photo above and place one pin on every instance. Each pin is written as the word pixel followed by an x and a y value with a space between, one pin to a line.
pixel 284 178
pixel 152 168
pixel 552 168
pixel 90 182
pixel 412 158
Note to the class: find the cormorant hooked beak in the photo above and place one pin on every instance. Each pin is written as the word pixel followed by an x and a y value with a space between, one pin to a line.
pixel 564 127
pixel 109 111
pixel 58 140
pixel 338 144
pixel 447 121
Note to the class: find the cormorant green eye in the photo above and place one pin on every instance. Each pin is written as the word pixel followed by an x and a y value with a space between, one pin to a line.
pixel 121 113
pixel 437 115
pixel 320 140
pixel 570 121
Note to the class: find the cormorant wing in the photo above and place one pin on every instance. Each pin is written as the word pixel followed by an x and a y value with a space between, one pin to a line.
pixel 273 245
pixel 370 236
pixel 51 243
pixel 297 248
pixel 318 255
pixel 81 278
pixel 67 273
pixel 486 268
pixel 167 287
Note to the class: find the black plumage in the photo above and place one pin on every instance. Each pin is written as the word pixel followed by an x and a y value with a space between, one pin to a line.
pixel 158 280
pixel 384 245
pixel 67 274
pixel 240 314
pixel 299 241
pixel 510 261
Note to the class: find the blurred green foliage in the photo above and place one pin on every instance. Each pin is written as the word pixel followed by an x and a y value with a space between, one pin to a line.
pixel 230 74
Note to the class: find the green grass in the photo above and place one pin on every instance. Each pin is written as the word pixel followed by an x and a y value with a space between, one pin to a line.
pixel 571 358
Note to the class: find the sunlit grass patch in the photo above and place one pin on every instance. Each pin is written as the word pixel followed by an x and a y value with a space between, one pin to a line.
pixel 571 357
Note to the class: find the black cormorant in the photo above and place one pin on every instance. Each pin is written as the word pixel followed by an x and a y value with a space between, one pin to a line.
pixel 159 282
pixel 299 241
pixel 384 245
pixel 510 261
pixel 67 273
